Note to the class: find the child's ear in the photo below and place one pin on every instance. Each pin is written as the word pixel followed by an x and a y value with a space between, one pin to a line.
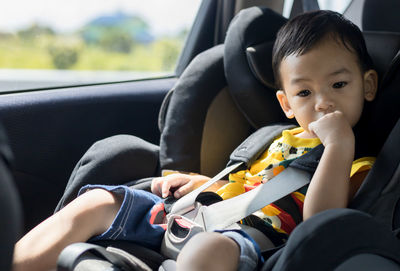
pixel 283 101
pixel 370 85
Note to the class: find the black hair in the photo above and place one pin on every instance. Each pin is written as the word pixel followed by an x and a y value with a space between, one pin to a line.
pixel 304 31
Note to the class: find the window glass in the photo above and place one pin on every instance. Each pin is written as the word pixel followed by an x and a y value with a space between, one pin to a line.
pixel 48 43
pixel 336 5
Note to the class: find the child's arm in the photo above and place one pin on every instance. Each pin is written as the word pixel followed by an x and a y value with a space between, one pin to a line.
pixel 330 185
pixel 181 184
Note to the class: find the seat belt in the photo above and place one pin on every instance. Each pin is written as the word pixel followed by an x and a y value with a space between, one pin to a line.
pixel 223 214
pixel 196 218
pixel 188 217
pixel 186 203
pixel 243 155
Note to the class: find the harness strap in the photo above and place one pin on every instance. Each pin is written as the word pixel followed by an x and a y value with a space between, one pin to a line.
pixel 186 203
pixel 223 214
pixel 253 146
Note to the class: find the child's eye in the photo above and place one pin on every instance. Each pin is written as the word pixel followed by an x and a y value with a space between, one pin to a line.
pixel 339 84
pixel 304 93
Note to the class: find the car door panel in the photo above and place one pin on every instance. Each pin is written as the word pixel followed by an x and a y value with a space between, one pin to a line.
pixel 50 130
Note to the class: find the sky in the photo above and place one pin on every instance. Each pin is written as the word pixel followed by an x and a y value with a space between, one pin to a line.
pixel 164 16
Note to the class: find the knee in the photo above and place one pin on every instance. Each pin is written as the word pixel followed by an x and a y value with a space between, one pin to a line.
pixel 94 209
pixel 209 251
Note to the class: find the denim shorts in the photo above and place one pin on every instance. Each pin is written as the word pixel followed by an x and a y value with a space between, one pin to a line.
pixel 135 222
pixel 132 222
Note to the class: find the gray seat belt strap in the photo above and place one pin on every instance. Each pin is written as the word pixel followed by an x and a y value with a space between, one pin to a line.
pixel 224 213
pixel 245 153
pixel 186 202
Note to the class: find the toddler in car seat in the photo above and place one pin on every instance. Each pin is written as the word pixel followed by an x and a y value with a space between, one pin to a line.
pixel 324 74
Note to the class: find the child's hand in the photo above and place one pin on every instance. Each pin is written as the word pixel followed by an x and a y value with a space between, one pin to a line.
pixel 333 128
pixel 181 183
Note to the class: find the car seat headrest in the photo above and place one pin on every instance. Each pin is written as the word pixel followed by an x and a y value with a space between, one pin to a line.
pixel 247 64
pixel 380 115
pixel 260 58
pixel 382 47
pixel 381 15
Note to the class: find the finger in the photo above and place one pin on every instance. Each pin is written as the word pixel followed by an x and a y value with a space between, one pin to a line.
pixel 156 186
pixel 177 181
pixel 338 112
pixel 183 190
pixel 153 186
pixel 311 128
pixel 165 188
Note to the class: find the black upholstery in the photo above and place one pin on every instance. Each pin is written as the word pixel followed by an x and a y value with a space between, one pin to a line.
pixel 10 206
pixel 242 66
pixel 385 173
pixel 185 114
pixel 381 15
pixel 252 86
pixel 380 116
pixel 328 238
pixel 376 41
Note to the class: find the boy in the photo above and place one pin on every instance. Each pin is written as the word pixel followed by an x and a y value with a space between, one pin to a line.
pixel 324 75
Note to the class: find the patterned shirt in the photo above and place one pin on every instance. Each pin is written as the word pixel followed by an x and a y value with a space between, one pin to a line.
pixel 278 156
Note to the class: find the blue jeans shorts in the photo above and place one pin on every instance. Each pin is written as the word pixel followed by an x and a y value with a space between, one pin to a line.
pixel 132 222
pixel 135 222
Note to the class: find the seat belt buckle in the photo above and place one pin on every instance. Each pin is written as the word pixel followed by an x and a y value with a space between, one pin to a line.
pixel 180 228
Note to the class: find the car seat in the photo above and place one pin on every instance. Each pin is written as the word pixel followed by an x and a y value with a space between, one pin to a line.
pixel 236 74
pixel 199 122
pixel 10 206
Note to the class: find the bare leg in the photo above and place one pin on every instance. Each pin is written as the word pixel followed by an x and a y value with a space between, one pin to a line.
pixel 209 251
pixel 88 215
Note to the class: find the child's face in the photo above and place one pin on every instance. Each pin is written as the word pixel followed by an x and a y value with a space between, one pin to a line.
pixel 325 79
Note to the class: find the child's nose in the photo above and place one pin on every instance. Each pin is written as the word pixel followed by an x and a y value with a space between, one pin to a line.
pixel 324 103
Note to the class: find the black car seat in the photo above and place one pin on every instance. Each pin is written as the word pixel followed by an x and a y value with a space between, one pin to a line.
pixel 10 206
pixel 380 16
pixel 248 86
pixel 200 121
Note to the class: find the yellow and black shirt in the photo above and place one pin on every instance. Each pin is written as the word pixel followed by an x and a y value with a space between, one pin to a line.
pixel 279 155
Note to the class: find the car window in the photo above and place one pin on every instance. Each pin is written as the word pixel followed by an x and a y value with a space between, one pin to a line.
pixel 52 43
pixel 337 5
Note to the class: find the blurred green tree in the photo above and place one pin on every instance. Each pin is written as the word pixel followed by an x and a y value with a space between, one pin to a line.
pixel 34 31
pixel 118 32
pixel 63 57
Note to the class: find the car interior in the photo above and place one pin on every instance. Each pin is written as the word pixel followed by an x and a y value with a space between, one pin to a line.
pixel 223 92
